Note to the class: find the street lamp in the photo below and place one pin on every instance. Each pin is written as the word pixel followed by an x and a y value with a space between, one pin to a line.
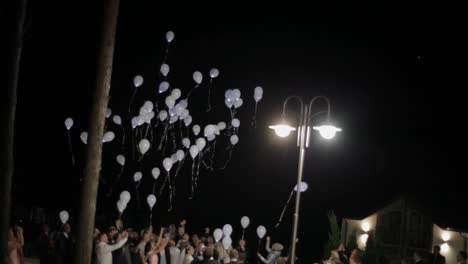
pixel 327 131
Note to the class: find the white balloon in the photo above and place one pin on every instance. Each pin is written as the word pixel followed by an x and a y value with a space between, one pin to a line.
pixel 214 73
pixel 172 112
pixel 236 93
pixel 108 112
pixel 227 230
pixel 196 130
pixel 155 172
pixel 209 130
pixel 121 159
pixel 140 120
pixel 144 146
pixel 134 122
pixel 138 81
pixel 125 197
pixel 117 120
pixel 179 109
pixel 258 90
pixel 234 139
pixel 261 231
pixel 184 103
pixel 170 36
pixel 211 137
pixel 164 86
pixel 68 123
pixel 257 97
pixel 228 94
pixel 162 115
pixel 228 103
pixel 302 188
pixel 164 69
pixel 186 114
pixel 201 143
pixel 148 117
pixel 174 158
pixel 238 103
pixel 64 216
pixel 180 154
pixel 235 123
pixel 221 125
pixel 167 164
pixel 217 234
pixel 173 119
pixel 227 242
pixel 137 176
pixel 193 151
pixel 197 77
pixel 170 101
pixel 151 200
pixel 121 205
pixel 245 222
pixel 186 142
pixel 148 106
pixel 176 93
pixel 84 137
pixel 108 136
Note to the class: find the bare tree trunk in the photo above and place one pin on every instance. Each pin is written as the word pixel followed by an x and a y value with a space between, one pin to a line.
pixel 83 250
pixel 7 127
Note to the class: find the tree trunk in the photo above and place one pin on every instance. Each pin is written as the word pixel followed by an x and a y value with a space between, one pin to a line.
pixel 84 244
pixel 7 127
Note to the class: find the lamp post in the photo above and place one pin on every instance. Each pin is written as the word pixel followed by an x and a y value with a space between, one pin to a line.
pixel 327 131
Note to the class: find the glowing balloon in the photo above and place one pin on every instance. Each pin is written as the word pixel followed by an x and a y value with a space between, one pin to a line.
pixel 121 159
pixel 170 36
pixel 261 231
pixel 235 123
pixel 170 101
pixel 167 164
pixel 63 215
pixel 138 81
pixel 196 130
pixel 151 200
pixel 258 94
pixel 176 93
pixel 186 114
pixel 174 158
pixel 164 86
pixel 197 77
pixel 186 142
pixel 125 196
pixel 162 115
pixel 227 242
pixel 108 112
pixel 108 136
pixel 68 123
pixel 134 122
pixel 84 137
pixel 238 103
pixel 227 230
pixel 302 188
pixel 228 103
pixel 173 119
pixel 155 172
pixel 217 234
pixel 184 103
pixel 137 176
pixel 221 125
pixel 144 146
pixel 117 120
pixel 193 151
pixel 245 222
pixel 121 205
pixel 201 143
pixel 236 93
pixel 211 137
pixel 234 139
pixel 180 154
pixel 209 130
pixel 164 69
pixel 229 95
pixel 214 73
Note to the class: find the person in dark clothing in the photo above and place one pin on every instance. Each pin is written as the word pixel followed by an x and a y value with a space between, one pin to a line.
pixel 243 253
pixel 43 245
pixel 344 254
pixel 436 257
pixel 63 246
pixel 208 256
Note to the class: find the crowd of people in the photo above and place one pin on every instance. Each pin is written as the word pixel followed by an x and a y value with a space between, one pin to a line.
pixel 167 245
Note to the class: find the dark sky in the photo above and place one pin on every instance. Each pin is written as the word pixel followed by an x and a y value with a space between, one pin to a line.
pixel 390 70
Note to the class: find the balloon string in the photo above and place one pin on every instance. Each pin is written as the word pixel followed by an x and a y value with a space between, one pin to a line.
pixel 170 192
pixel 243 233
pixel 254 117
pixel 138 193
pixel 111 187
pixel 166 53
pixel 163 138
pixel 71 148
pixel 213 151
pixel 147 129
pixel 174 145
pixel 209 96
pixel 123 137
pixel 133 143
pixel 192 180
pixel 154 187
pixel 191 90
pixel 284 210
pixel 162 187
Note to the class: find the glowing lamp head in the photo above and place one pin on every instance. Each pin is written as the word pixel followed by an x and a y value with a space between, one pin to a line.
pixel 365 227
pixel 364 238
pixel 282 130
pixel 327 131
pixel 445 236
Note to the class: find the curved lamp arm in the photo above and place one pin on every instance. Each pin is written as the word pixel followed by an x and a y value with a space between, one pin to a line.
pixel 285 104
pixel 312 101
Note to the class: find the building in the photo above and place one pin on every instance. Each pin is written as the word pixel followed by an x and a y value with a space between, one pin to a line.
pixel 402 228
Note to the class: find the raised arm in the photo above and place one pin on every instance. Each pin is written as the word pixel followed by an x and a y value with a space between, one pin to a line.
pixel 267 244
pixel 110 248
pixel 162 245
pixel 262 258
pixel 161 233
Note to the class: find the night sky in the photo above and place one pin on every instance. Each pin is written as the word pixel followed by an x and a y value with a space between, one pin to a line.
pixel 390 71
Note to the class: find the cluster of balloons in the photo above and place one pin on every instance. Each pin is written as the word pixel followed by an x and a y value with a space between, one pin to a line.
pixel 124 200
pixel 224 234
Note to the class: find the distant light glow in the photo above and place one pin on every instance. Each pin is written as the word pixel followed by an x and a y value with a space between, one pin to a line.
pixel 327 131
pixel 444 248
pixel 364 238
pixel 365 226
pixel 282 130
pixel 445 236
